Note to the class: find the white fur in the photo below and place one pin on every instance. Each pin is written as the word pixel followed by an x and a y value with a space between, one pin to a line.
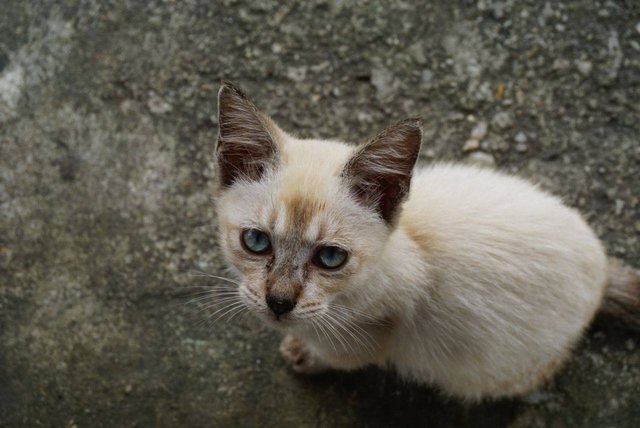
pixel 483 286
pixel 519 276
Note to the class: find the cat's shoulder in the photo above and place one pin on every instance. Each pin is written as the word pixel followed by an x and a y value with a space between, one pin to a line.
pixel 454 188
pixel 466 177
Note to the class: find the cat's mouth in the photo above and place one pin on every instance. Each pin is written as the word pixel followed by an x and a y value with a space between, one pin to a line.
pixel 285 321
pixel 279 322
pixel 300 316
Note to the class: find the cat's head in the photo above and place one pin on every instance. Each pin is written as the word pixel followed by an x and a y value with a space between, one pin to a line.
pixel 304 222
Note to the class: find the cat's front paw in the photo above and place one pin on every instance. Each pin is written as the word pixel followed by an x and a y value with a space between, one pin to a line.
pixel 295 352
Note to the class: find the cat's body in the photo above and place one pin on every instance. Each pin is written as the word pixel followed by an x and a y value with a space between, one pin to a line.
pixel 474 281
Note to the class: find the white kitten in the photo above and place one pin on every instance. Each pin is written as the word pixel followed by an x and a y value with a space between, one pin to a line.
pixel 474 281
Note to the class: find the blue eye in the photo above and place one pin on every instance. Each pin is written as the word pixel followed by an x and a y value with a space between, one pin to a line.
pixel 330 257
pixel 256 241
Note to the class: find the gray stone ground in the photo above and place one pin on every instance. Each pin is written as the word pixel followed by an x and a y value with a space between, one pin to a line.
pixel 107 125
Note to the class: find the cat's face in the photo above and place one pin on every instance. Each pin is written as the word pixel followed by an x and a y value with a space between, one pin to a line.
pixel 295 252
pixel 303 222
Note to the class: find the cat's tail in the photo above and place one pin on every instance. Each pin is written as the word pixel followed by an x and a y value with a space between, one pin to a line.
pixel 622 297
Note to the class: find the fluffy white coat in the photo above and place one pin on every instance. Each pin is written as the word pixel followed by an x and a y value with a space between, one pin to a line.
pixel 481 285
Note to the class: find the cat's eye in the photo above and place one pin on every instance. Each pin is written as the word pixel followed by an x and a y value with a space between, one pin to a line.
pixel 255 241
pixel 330 257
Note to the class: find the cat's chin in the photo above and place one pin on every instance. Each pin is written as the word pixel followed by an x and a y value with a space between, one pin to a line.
pixel 282 324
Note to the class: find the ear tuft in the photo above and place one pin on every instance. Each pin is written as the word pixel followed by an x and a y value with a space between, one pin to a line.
pixel 245 146
pixel 379 173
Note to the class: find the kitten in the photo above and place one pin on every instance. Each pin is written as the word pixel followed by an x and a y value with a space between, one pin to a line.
pixel 474 281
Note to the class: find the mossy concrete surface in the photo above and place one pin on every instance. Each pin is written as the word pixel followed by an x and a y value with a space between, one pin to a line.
pixel 107 128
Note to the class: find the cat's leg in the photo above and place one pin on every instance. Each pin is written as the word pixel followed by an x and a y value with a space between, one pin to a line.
pixel 300 357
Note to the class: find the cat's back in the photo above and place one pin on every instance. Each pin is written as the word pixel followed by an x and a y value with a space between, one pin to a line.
pixel 466 187
pixel 481 217
pixel 507 261
pixel 470 206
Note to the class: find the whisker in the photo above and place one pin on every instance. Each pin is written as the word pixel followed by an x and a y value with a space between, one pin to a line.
pixel 220 293
pixel 227 309
pixel 197 289
pixel 310 312
pixel 345 319
pixel 368 341
pixel 361 336
pixel 219 286
pixel 348 326
pixel 239 305
pixel 310 304
pixel 337 334
pixel 225 305
pixel 201 286
pixel 208 275
pixel 215 303
pixel 353 311
pixel 239 311
pixel 358 314
pixel 315 329
pixel 216 295
pixel 248 293
pixel 324 332
pixel 197 299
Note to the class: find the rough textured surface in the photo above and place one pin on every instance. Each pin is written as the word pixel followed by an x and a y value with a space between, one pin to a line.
pixel 107 125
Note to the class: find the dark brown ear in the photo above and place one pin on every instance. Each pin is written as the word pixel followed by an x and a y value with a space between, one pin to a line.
pixel 379 173
pixel 245 147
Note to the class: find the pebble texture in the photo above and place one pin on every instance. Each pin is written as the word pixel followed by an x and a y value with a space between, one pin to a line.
pixel 107 127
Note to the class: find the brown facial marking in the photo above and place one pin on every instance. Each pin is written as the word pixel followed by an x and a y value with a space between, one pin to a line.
pixel 270 263
pixel 285 288
pixel 267 284
pixel 300 210
pixel 292 272
pixel 284 277
pixel 305 272
pixel 309 304
pixel 252 291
